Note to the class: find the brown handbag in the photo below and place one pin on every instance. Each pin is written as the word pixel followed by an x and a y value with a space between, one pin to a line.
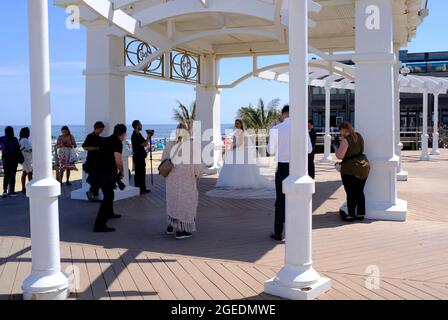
pixel 167 165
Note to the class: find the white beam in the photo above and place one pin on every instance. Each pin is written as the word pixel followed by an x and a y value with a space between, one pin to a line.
pixel 46 281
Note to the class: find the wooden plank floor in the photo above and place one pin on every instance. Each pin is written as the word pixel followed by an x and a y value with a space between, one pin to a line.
pixel 231 255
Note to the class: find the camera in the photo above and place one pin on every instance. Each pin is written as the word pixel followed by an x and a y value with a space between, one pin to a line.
pixel 150 133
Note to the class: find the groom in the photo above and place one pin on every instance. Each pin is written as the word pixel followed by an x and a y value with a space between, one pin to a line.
pixel 279 142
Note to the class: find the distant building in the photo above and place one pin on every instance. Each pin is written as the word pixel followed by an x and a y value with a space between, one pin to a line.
pixel 343 101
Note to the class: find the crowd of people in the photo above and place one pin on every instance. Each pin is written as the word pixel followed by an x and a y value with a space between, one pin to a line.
pixel 104 166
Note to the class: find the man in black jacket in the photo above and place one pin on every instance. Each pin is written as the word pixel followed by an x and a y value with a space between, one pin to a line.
pixel 92 145
pixel 139 145
pixel 313 136
pixel 107 168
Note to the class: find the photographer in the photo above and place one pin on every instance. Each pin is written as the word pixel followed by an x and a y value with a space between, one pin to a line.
pixel 105 174
pixel 139 145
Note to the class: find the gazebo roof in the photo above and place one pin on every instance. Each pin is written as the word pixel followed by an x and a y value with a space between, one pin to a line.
pixel 235 27
pixel 341 76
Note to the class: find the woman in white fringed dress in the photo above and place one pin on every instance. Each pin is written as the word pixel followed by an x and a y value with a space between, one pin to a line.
pixel 181 185
pixel 240 170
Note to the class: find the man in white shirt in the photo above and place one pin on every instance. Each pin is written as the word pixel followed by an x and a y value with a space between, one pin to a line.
pixel 279 143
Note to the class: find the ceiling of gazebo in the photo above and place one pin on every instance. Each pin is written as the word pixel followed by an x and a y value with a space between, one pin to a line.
pixel 236 27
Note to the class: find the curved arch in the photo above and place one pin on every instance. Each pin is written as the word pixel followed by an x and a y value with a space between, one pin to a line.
pixel 174 9
pixel 251 74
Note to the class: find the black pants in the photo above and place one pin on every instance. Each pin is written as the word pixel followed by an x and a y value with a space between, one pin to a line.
pixel 140 173
pixel 356 201
pixel 311 166
pixel 10 170
pixel 280 203
pixel 107 205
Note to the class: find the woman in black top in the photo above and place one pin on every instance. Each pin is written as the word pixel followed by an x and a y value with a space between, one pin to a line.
pixel 10 148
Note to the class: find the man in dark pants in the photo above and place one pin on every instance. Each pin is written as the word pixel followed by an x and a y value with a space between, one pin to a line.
pixel 279 144
pixel 91 145
pixel 139 157
pixel 105 174
pixel 313 137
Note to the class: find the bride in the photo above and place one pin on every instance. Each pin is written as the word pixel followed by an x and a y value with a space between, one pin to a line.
pixel 240 170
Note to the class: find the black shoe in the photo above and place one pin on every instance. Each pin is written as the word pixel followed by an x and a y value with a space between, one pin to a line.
pixel 4 195
pixel 142 192
pixel 349 218
pixel 276 237
pixel 13 194
pixel 115 216
pixel 68 183
pixel 360 217
pixel 104 229
pixel 183 235
pixel 169 230
pixel 121 185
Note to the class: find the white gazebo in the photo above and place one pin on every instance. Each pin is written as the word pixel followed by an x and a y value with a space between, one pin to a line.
pixel 183 40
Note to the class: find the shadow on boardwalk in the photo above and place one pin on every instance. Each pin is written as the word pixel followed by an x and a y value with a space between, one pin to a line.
pixel 227 229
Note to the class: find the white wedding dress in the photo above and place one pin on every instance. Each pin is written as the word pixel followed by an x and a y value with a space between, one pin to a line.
pixel 240 170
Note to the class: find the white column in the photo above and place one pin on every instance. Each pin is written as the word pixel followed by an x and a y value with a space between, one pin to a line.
pixel 401 174
pixel 425 136
pixel 375 107
pixel 327 139
pixel 298 279
pixel 46 280
pixel 435 134
pixel 208 112
pixel 105 93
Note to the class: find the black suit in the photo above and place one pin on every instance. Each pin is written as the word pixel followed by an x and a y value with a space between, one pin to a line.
pixel 311 166
pixel 139 158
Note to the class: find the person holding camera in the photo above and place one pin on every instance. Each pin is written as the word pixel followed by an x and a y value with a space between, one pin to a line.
pixel 92 145
pixel 139 145
pixel 355 169
pixel 107 173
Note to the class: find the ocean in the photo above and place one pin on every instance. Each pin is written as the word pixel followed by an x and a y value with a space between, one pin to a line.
pixel 162 131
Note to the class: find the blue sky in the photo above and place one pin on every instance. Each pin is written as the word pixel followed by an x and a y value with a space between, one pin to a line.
pixel 150 100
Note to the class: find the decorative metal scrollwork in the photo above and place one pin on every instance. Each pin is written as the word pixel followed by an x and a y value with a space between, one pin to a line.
pixel 185 66
pixel 137 51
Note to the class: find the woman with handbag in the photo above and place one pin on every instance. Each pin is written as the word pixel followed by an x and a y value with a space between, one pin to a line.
pixel 66 154
pixel 355 169
pixel 11 157
pixel 181 184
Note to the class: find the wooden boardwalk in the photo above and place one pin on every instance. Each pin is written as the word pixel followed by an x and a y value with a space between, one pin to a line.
pixel 231 255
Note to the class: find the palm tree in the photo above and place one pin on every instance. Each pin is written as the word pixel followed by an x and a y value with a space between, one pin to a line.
pixel 185 116
pixel 260 118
